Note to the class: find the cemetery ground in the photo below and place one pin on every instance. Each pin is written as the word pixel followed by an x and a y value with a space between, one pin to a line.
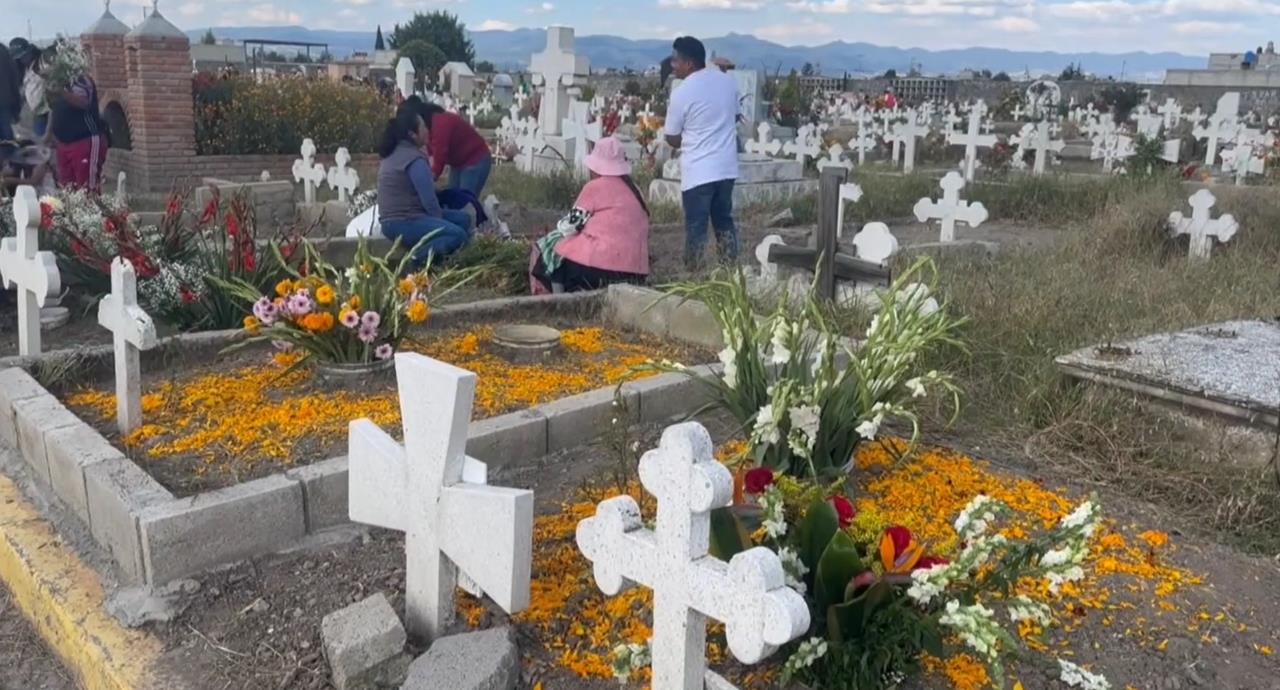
pixel 1079 263
pixel 23 655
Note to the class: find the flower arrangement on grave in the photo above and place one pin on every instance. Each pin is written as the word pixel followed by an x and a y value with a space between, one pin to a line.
pixel 361 202
pixel 86 232
pixel 357 315
pixel 69 64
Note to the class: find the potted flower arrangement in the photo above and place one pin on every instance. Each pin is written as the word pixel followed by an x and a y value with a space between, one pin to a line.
pixel 806 397
pixel 345 321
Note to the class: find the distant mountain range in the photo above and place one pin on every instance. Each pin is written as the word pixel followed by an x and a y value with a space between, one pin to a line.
pixel 511 50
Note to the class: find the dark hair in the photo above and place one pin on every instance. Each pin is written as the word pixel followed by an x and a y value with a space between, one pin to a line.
pixel 692 50
pixel 425 110
pixel 631 184
pixel 399 128
pixel 664 69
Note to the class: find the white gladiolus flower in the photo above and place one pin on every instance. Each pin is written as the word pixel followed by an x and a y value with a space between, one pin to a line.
pixel 916 388
pixel 775 517
pixel 729 358
pixel 781 354
pixel 1078 677
pixel 975 625
pixel 976 517
pixel 1085 515
pixel 806 418
pixel 766 429
pixel 870 427
pixel 793 568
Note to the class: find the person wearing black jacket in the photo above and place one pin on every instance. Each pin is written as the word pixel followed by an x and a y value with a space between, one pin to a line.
pixel 10 94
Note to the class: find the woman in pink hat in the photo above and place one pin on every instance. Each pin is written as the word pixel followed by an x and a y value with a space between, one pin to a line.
pixel 605 238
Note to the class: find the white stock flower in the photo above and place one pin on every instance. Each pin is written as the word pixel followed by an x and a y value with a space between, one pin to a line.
pixel 976 625
pixel 1024 609
pixel 775 516
pixel 1055 558
pixel 793 568
pixel 1077 677
pixel 976 517
pixel 929 583
pixel 1084 516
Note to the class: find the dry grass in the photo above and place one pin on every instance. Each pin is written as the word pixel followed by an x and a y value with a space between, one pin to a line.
pixel 1114 275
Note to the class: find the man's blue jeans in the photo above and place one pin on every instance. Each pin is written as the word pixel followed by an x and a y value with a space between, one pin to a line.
pixel 712 202
pixel 447 235
pixel 473 178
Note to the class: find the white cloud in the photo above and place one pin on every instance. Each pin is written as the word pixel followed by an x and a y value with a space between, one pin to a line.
pixel 357 3
pixel 495 25
pixel 1207 28
pixel 190 9
pixel 743 5
pixel 822 6
pixel 1020 25
pixel 268 14
pixel 542 8
pixel 803 32
pixel 930 8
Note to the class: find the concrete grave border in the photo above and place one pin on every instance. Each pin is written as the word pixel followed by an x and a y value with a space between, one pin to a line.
pixel 155 537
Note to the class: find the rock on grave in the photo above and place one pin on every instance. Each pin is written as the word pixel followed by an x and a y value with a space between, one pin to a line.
pixel 484 660
pixel 364 645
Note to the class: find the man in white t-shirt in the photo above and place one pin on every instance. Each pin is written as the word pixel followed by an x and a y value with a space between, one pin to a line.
pixel 702 125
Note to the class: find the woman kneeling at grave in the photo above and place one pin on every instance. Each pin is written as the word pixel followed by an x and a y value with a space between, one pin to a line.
pixel 604 239
pixel 454 143
pixel 407 205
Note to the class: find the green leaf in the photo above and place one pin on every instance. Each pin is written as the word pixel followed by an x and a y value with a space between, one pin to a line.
pixel 813 534
pixel 837 567
pixel 729 536
pixel 848 621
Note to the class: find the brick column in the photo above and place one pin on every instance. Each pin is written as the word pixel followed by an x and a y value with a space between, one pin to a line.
pixel 161 115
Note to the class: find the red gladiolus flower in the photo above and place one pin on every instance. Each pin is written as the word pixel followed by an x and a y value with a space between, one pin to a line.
pixel 210 212
pixel 249 262
pixel 233 226
pixel 174 207
pixel 758 479
pixel 898 551
pixel 46 216
pixel 929 561
pixel 844 510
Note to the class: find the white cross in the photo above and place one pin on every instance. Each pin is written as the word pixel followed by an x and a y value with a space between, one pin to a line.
pixel 1111 147
pixel 343 178
pixel 950 208
pixel 850 193
pixel 874 242
pixel 834 159
pixel 556 69
pixel 582 134
pixel 1171 112
pixel 34 273
pixel 972 140
pixel 865 139
pixel 454 523
pixel 1201 226
pixel 768 269
pixel 531 143
pixel 1195 117
pixel 764 143
pixel 1018 112
pixel 122 195
pixel 805 145
pixel 748 594
pixel 1036 137
pixel 132 331
pixel 1222 126
pixel 1149 124
pixel 907 133
pixel 1248 154
pixel 307 171
pixel 405 76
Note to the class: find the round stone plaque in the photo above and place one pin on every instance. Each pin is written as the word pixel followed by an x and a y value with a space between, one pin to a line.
pixel 526 343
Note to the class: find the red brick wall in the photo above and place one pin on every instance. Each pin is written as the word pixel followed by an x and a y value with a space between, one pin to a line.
pixel 161 115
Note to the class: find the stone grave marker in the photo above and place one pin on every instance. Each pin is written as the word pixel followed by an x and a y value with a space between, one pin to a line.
pixel 32 272
pixel 972 140
pixel 405 77
pixel 748 594
pixel 307 171
pixel 764 143
pixel 556 69
pixel 1202 227
pixel 1170 113
pixel 1036 137
pixel 806 145
pixel 875 243
pixel 531 143
pixel 341 177
pixel 907 133
pixel 131 332
pixel 1111 147
pixel 950 208
pixel 835 158
pixel 430 490
pixel 865 139
pixel 122 194
pixel 1248 153
pixel 1222 126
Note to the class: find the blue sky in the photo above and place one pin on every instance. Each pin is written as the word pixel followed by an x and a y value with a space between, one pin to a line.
pixel 1187 26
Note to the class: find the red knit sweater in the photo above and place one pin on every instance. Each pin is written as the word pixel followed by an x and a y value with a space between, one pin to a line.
pixel 455 143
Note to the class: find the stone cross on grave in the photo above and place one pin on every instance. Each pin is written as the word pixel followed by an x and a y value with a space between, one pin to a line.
pixel 1222 126
pixel 132 331
pixel 307 171
pixel 1037 137
pixel 1111 147
pixel 907 133
pixel 1248 154
pixel 556 69
pixel 875 243
pixel 454 524
pixel 805 146
pixel 835 157
pixel 531 143
pixel 764 143
pixel 950 208
pixel 748 594
pixel 405 77
pixel 122 193
pixel 343 178
pixel 583 134
pixel 1195 117
pixel 1201 226
pixel 1018 112
pixel 972 140
pixel 32 272
pixel 1171 113
pixel 865 139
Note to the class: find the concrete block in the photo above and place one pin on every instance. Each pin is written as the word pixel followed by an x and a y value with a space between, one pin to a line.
pixel 692 322
pixel 36 417
pixel 580 418
pixel 116 490
pixel 324 492
pixel 639 309
pixel 484 660
pixel 190 535
pixel 364 645
pixel 70 450
pixel 15 384
pixel 508 438
pixel 670 397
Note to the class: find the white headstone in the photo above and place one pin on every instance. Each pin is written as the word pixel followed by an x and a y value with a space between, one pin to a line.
pixel 122 195
pixel 405 77
pixel 1248 153
pixel 132 331
pixel 342 178
pixel 1202 227
pixel 1170 113
pixel 454 524
pixel 34 273
pixel 748 594
pixel 1037 137
pixel 556 69
pixel 768 269
pixel 972 140
pixel 764 143
pixel 307 171
pixel 950 208
pixel 907 133
pixel 874 242
pixel 750 96
pixel 531 143
pixel 1222 126
pixel 1110 148
pixel 864 140
pixel 850 193
pixel 834 159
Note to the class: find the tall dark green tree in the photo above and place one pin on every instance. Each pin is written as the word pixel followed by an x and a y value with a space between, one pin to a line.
pixel 440 29
pixel 426 58
pixel 208 38
pixel 378 43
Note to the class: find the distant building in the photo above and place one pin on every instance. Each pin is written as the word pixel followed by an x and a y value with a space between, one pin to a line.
pixel 1257 68
pixel 821 84
pixel 212 58
pixel 913 90
pixel 458 79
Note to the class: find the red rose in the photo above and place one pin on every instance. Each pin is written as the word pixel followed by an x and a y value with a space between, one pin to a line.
pixel 757 480
pixel 930 561
pixel 844 510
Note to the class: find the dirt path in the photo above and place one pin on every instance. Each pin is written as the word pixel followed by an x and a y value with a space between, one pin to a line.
pixel 25 662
